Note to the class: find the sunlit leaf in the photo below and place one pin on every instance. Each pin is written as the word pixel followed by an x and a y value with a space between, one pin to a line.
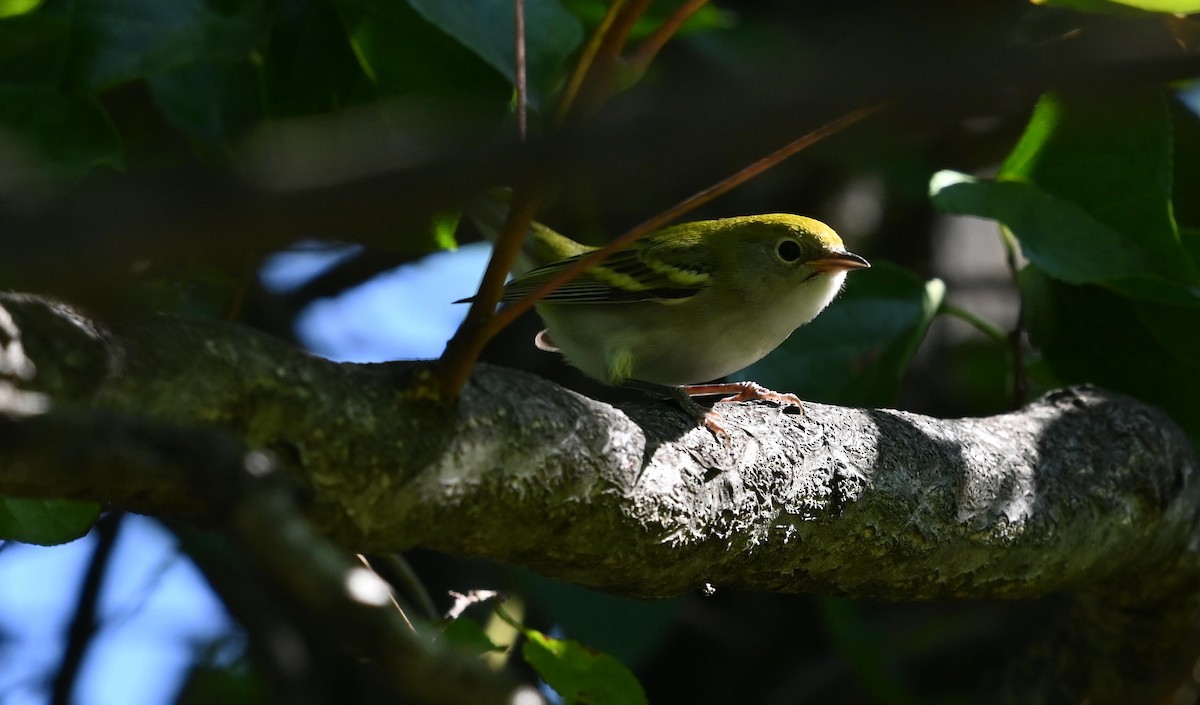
pixel 1111 156
pixel 469 636
pixel 12 8
pixel 444 225
pixel 1087 193
pixel 579 674
pixel 1119 7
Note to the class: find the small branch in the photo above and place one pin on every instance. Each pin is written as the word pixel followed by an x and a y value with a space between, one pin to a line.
pixel 522 80
pixel 583 65
pixel 1016 336
pixel 1084 492
pixel 84 624
pixel 592 80
pixel 511 312
pixel 976 322
pixel 640 61
pixel 463 349
pixel 396 570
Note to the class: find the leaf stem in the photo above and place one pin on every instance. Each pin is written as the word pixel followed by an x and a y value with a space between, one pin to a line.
pixel 522 78
pixel 977 322
pixel 640 61
pixel 591 82
pixel 454 367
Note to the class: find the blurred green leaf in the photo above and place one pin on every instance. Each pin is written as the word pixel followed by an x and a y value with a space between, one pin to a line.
pixel 1185 134
pixel 208 683
pixel 308 64
pixel 54 137
pixel 707 18
pixel 865 648
pixel 33 49
pixel 465 634
pixel 631 630
pixel 404 55
pixel 114 41
pixel 215 104
pixel 45 521
pixel 857 351
pixel 1089 334
pixel 12 8
pixel 488 28
pixel 444 225
pixel 1190 237
pixel 1121 7
pixel 579 674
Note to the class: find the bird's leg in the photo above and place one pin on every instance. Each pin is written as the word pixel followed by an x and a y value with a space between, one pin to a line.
pixel 708 418
pixel 743 391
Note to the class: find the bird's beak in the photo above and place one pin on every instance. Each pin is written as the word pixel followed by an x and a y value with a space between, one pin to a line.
pixel 839 262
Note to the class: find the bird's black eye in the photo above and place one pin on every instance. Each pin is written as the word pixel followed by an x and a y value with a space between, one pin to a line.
pixel 789 250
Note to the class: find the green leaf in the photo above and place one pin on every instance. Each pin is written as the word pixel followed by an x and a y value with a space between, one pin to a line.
pixel 1087 192
pixel 215 104
pixel 488 28
pixel 1067 242
pixel 45 521
pixel 1186 136
pixel 705 19
pixel 1055 234
pixel 866 649
pixel 121 40
pixel 1125 7
pixel 33 49
pixel 309 66
pixel 443 227
pixel 857 351
pixel 404 55
pixel 12 8
pixel 1110 156
pixel 630 630
pixel 579 674
pixel 468 635
pixel 55 137
pixel 1089 334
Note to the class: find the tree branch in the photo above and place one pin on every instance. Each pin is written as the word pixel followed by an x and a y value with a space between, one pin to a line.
pixel 1084 491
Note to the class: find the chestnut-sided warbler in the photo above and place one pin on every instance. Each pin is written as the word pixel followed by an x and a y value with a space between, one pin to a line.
pixel 688 303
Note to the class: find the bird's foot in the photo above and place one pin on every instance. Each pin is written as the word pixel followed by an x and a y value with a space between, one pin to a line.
pixel 744 391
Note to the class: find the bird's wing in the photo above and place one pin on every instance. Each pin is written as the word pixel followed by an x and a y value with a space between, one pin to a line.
pixel 651 272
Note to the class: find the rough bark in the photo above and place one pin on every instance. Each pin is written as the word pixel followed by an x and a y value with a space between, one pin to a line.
pixel 1083 492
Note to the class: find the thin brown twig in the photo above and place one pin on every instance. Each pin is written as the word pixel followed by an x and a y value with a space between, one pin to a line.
pixel 510 313
pixel 596 83
pixel 587 86
pixel 584 65
pixel 84 623
pixel 522 78
pixel 648 49
pixel 464 348
pixel 1020 381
